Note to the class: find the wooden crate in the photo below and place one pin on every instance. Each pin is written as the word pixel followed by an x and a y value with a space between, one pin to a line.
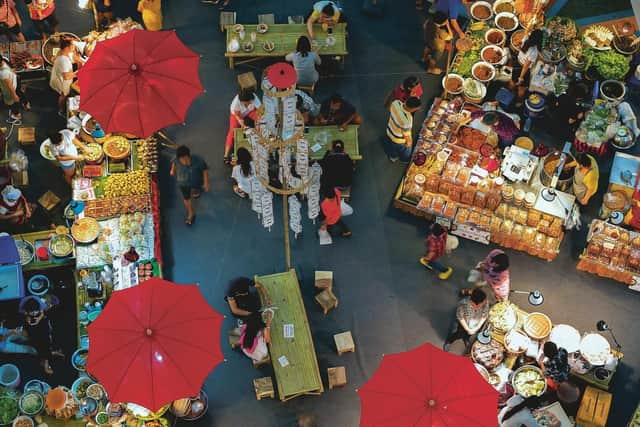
pixel 327 300
pixel 20 179
pixel 344 342
pixel 247 81
pixel 337 376
pixel 594 408
pixel 49 200
pixel 324 279
pixel 265 361
pixel 26 136
pixel 264 388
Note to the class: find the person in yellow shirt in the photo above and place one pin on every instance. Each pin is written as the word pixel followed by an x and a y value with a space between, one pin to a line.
pixel 151 11
pixel 585 178
pixel 399 138
pixel 326 13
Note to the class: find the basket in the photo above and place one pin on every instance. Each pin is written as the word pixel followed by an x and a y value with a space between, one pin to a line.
pixel 537 326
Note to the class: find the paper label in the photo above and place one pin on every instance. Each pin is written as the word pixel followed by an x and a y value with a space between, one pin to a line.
pixel 283 361
pixel 288 330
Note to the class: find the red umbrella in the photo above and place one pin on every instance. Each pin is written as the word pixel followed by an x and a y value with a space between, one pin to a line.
pixel 154 343
pixel 139 82
pixel 427 387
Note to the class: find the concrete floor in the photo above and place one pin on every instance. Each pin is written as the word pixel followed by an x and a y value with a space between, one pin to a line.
pixel 388 301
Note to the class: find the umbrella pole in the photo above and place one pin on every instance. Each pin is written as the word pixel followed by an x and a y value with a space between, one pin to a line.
pixel 285 222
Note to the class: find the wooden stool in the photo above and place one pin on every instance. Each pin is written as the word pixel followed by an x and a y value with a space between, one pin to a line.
pixel 227 18
pixel 309 89
pixel 324 280
pixel 264 388
pixel 327 300
pixel 337 376
pixel 234 337
pixel 296 19
pixel 267 18
pixel 49 201
pixel 247 81
pixel 258 363
pixel 26 136
pixel 345 194
pixel 344 342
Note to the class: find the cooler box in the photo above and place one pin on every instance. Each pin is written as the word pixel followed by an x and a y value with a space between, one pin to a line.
pixel 594 408
pixel 11 279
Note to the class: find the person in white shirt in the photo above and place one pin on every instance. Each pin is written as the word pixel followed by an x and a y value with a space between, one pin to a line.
pixel 242 173
pixel 517 412
pixel 62 73
pixel 244 105
pixel 527 58
pixel 11 94
pixel 255 336
pixel 64 146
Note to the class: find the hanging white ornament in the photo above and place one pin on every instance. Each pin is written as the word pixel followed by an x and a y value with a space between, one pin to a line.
pixel 256 195
pixel 302 158
pixel 295 219
pixel 267 209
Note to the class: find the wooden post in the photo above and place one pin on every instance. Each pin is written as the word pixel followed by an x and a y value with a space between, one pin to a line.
pixel 285 222
pixel 446 71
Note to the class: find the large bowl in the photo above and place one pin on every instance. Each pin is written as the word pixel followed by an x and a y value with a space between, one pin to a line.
pixel 504 6
pixel 500 18
pixel 79 359
pixel 537 326
pixel 487 49
pixel 61 245
pixel 479 7
pixel 565 336
pixel 76 387
pixel 85 230
pixel 517 39
pixel 116 147
pixel 612 90
pixel 26 251
pixel 38 285
pixel 483 64
pixel 450 77
pixel 25 404
pixel 495 36
pixel 522 384
pixel 595 349
pixel 23 420
pixel 50 45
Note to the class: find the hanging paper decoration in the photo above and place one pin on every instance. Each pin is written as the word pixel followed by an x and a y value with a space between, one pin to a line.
pixel 302 158
pixel 261 162
pixel 267 209
pixel 313 194
pixel 295 218
pixel 288 116
pixel 256 195
pixel 270 112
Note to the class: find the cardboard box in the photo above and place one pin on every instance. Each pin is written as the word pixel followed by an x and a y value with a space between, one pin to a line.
pixel 20 179
pixel 594 408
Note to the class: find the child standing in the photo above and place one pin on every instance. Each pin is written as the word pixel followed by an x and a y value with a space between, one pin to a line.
pixel 436 243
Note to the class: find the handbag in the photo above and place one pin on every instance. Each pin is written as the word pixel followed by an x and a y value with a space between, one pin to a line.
pixel 452 243
pixel 345 208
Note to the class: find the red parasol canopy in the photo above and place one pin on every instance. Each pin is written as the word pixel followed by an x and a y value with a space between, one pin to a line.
pixel 140 82
pixel 427 387
pixel 282 75
pixel 154 343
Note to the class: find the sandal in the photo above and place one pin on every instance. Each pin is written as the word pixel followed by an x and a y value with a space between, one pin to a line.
pixel 227 160
pixel 190 221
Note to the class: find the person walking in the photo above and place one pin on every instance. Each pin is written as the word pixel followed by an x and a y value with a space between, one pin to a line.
pixel 43 16
pixel 62 73
pixel 10 22
pixel 492 271
pixel 436 243
pixel 399 127
pixel 11 93
pixel 471 314
pixel 192 175
pixel 151 11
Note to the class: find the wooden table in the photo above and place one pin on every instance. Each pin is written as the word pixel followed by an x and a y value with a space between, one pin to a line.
pixel 284 36
pixel 301 376
pixel 349 136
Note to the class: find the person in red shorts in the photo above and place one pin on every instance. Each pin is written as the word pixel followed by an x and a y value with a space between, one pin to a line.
pixel 245 104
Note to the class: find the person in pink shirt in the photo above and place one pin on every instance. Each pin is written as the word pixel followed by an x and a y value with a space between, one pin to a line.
pixel 10 22
pixel 495 272
pixel 255 336
pixel 43 16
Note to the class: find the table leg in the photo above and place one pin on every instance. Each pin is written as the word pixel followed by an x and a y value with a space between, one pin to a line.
pixel 231 62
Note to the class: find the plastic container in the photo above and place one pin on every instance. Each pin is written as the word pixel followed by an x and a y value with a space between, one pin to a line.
pixel 9 375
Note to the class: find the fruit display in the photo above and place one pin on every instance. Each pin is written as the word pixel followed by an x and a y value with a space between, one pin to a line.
pixel 127 184
pixel 116 147
pixel 529 381
pixel 147 150
pixel 503 316
pixel 145 272
pixel 93 152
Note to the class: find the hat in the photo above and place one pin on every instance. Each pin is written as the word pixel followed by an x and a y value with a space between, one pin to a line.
pixel 489 118
pixel 11 195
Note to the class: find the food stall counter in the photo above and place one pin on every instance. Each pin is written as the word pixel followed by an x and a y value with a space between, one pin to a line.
pixel 38 239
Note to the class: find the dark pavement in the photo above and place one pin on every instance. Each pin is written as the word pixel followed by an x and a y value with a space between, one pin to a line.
pixel 388 300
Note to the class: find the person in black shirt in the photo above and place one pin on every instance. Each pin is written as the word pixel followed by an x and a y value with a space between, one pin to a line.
pixel 337 167
pixel 242 301
pixel 337 111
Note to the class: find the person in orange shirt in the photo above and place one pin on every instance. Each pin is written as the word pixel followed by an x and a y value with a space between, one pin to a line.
pixel 43 16
pixel 332 213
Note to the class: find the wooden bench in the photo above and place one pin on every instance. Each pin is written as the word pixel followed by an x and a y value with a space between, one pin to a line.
pixel 327 300
pixel 337 376
pixel 264 388
pixel 324 279
pixel 344 343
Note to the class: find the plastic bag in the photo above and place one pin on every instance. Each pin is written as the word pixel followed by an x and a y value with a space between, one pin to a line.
pixel 18 161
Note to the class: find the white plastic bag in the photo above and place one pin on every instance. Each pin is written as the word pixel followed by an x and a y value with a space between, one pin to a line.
pixel 474 276
pixel 345 208
pixel 325 237
pixel 452 243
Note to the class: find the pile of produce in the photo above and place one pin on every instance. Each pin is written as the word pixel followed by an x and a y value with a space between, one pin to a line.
pixel 131 230
pixel 609 64
pixel 148 154
pixel 562 29
pixel 8 409
pixel 127 184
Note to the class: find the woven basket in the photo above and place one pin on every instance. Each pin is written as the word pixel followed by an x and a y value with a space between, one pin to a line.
pixel 537 326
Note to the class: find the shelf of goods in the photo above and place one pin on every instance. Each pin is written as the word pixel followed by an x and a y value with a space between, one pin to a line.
pixel 448 180
pixel 612 252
